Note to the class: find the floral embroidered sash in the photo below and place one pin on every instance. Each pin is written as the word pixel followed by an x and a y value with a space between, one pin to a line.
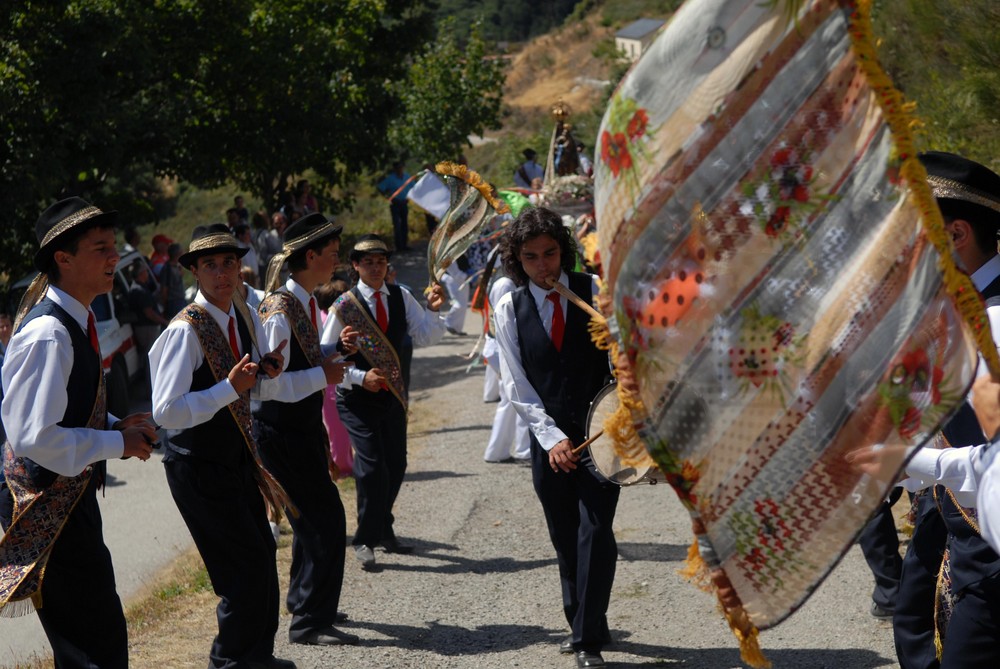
pixel 283 302
pixel 372 344
pixel 220 359
pixel 39 517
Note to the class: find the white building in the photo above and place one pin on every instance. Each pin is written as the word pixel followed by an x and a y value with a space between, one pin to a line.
pixel 633 39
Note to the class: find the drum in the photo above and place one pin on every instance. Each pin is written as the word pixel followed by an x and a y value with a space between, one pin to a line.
pixel 603 459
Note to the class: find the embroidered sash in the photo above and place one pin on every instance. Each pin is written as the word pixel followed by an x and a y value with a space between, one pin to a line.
pixel 372 343
pixel 283 302
pixel 219 357
pixel 40 514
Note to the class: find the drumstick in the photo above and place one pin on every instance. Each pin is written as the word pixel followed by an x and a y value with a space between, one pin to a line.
pixel 588 442
pixel 577 300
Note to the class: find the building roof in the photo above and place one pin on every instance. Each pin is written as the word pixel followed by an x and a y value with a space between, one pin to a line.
pixel 639 29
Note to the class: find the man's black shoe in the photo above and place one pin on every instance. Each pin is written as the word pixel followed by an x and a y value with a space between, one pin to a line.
pixel 392 545
pixel 329 636
pixel 587 659
pixel 566 645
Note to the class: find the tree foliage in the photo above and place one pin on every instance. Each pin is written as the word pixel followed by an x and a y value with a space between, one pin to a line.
pixel 99 97
pixel 512 20
pixel 946 57
pixel 452 90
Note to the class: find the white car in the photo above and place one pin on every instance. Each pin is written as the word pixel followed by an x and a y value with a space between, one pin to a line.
pixel 114 329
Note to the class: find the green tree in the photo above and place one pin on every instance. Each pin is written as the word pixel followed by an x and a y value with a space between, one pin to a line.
pixel 946 57
pixel 98 95
pixel 451 91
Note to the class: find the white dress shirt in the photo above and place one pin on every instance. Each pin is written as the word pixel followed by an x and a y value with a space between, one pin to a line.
pixel 522 394
pixel 36 371
pixel 425 327
pixel 177 354
pixel 278 328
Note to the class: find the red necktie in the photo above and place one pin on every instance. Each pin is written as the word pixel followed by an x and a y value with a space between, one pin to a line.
pixel 232 338
pixel 312 312
pixel 380 316
pixel 92 333
pixel 558 322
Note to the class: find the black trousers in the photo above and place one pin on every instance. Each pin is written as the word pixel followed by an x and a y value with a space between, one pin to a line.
pixel 880 545
pixel 377 425
pixel 298 460
pixel 973 636
pixel 913 618
pixel 579 511
pixel 224 512
pixel 399 211
pixel 81 612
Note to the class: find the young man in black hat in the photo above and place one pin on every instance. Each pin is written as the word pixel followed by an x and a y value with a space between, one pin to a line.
pixel 968 195
pixel 552 371
pixel 205 366
pixel 60 436
pixel 294 444
pixel 368 323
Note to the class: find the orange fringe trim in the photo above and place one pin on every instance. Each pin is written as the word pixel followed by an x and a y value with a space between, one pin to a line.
pixel 472 178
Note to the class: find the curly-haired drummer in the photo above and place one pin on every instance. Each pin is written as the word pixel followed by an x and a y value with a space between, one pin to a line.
pixel 552 370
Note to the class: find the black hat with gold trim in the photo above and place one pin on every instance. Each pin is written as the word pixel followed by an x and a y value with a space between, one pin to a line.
pixel 366 244
pixel 74 215
pixel 209 240
pixel 953 178
pixel 299 236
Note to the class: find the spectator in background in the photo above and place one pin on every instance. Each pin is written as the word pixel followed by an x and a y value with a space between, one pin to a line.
pixel 395 186
pixel 148 319
pixel 159 257
pixel 269 241
pixel 304 199
pixel 172 283
pixel 528 171
pixel 242 234
pixel 586 166
pixel 232 219
pixel 132 240
pixel 6 330
pixel 340 441
pixel 248 290
pixel 241 209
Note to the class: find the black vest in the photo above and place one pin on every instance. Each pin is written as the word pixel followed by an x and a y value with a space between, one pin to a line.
pixel 301 416
pixel 81 391
pixel 398 329
pixel 219 439
pixel 972 559
pixel 568 380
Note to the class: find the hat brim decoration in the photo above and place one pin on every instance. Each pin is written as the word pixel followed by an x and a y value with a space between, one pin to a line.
pixel 366 246
pixel 290 247
pixel 949 189
pixel 210 245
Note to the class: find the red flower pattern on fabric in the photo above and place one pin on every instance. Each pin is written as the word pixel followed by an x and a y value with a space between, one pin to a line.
pixel 614 152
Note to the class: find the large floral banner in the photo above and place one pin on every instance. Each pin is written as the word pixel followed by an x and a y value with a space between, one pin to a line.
pixel 770 252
